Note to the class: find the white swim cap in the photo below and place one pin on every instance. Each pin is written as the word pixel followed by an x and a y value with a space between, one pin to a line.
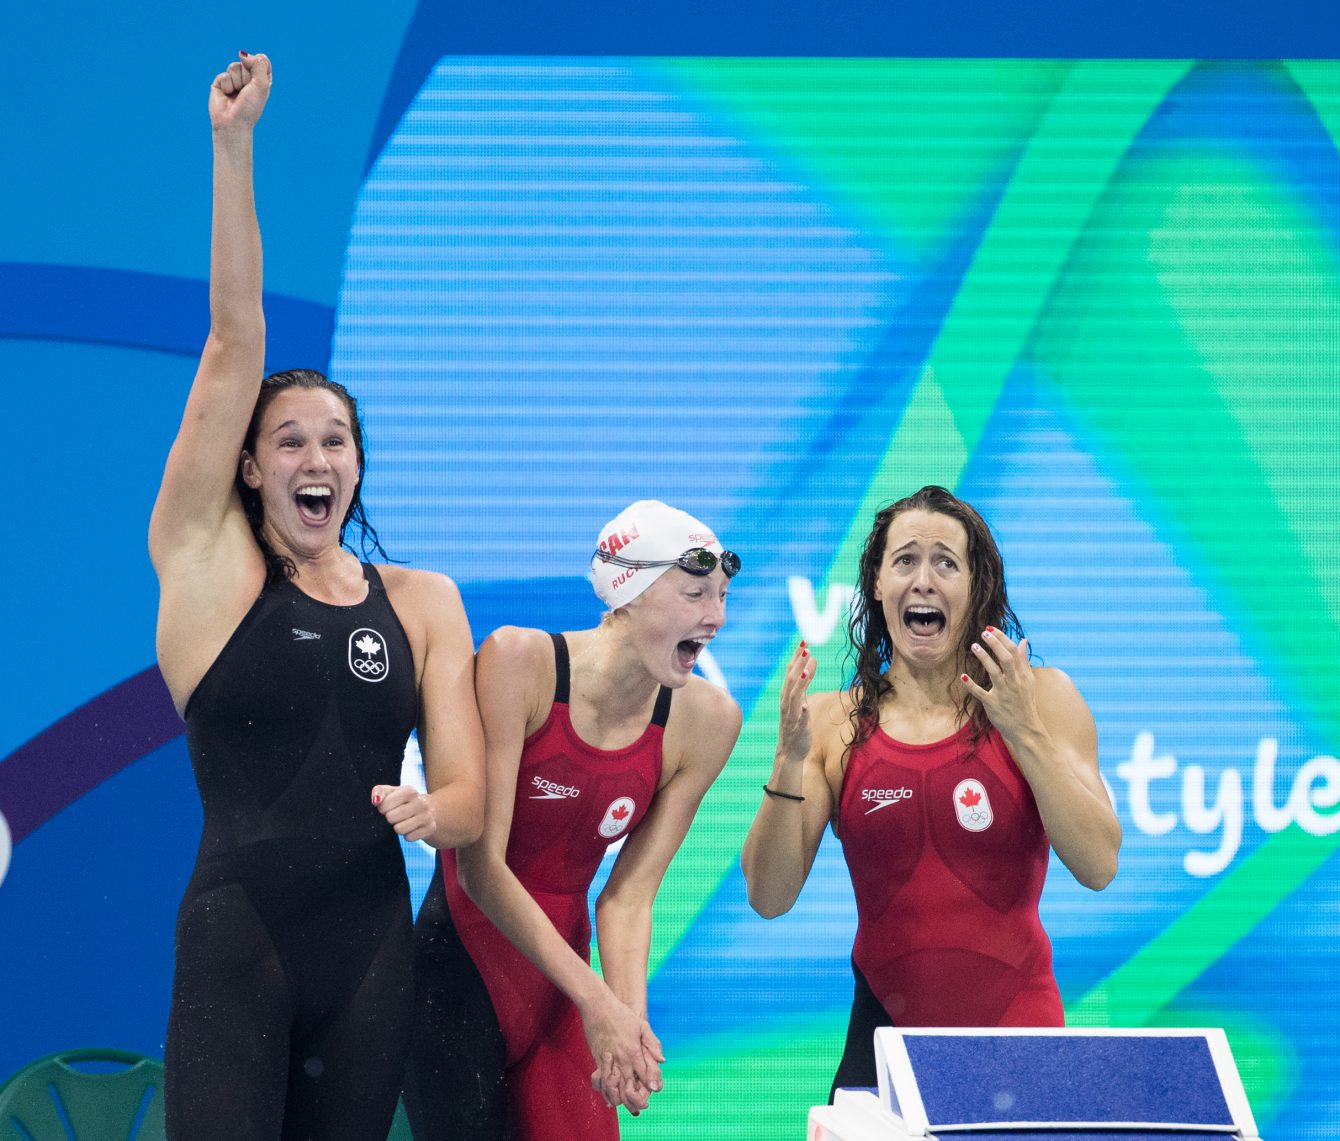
pixel 647 531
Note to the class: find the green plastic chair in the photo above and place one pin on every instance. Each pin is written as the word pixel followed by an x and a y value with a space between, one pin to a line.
pixel 51 1100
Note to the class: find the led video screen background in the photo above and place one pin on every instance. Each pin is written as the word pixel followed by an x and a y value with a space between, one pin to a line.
pixel 1098 299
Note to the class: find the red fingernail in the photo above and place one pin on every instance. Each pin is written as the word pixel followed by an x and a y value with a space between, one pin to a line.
pixel 989 629
pixel 242 54
pixel 963 677
pixel 376 800
pixel 803 642
pixel 804 653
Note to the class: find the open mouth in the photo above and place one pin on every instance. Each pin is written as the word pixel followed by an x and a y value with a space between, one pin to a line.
pixel 314 504
pixel 924 621
pixel 688 650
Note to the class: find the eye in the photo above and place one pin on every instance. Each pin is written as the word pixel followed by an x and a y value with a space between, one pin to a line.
pixel 335 442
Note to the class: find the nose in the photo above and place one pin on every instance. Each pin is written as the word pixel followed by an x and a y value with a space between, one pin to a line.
pixel 315 458
pixel 716 616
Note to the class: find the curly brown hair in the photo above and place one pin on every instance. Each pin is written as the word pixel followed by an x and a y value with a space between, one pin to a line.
pixel 870 644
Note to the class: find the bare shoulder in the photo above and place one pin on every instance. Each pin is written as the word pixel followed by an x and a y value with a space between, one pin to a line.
pixel 419 588
pixel 709 707
pixel 834 707
pixel 701 733
pixel 1054 686
pixel 430 609
pixel 514 674
pixel 1062 706
pixel 519 649
pixel 830 714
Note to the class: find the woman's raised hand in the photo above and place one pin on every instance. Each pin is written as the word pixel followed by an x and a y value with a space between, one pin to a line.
pixel 793 731
pixel 237 96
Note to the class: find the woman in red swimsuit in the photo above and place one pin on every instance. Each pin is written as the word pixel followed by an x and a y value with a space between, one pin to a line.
pixel 948 770
pixel 591 737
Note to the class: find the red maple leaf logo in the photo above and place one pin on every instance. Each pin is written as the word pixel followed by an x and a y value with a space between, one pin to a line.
pixel 620 812
pixel 970 798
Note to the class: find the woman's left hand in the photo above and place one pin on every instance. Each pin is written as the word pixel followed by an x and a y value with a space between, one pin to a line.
pixel 1011 701
pixel 406 809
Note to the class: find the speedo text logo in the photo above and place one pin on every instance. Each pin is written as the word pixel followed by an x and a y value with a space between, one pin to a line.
pixel 883 797
pixel 549 790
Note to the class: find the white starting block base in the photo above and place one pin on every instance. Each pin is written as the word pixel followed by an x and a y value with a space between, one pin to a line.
pixel 1044 1085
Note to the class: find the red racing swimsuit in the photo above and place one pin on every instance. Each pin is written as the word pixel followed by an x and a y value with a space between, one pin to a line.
pixel 947 855
pixel 572 801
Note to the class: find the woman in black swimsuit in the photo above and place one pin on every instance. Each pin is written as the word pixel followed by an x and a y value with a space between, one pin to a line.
pixel 300 672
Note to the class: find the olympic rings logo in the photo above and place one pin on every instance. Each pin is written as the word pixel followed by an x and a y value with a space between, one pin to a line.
pixel 368 660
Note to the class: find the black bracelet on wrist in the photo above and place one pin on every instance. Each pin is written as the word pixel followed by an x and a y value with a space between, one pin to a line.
pixel 782 795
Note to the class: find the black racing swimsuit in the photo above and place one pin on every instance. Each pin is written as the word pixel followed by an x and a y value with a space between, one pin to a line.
pixel 293 992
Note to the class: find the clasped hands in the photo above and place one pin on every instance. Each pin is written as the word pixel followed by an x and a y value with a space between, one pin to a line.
pixel 628 1055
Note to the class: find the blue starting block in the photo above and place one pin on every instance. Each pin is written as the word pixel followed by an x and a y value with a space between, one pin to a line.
pixel 1044 1085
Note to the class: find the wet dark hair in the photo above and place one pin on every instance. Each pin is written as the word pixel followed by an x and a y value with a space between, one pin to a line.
pixel 279 568
pixel 871 647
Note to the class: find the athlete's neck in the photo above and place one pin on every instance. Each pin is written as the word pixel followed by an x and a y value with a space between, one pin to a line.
pixel 609 677
pixel 926 699
pixel 331 575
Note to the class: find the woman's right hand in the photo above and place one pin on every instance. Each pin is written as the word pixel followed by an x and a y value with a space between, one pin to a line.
pixel 793 730
pixel 237 96
pixel 797 800
pixel 626 1052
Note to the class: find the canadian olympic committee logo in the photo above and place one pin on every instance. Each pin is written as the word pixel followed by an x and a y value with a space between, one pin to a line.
pixel 973 806
pixel 367 655
pixel 617 816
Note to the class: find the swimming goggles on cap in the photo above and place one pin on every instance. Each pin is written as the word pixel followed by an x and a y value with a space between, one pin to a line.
pixel 696 560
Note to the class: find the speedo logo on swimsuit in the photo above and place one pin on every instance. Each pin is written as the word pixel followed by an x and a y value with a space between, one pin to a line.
pixel 551 791
pixel 883 797
pixel 304 635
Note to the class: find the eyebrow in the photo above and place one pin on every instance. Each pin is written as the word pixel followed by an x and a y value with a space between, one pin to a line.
pixel 337 423
pixel 937 544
